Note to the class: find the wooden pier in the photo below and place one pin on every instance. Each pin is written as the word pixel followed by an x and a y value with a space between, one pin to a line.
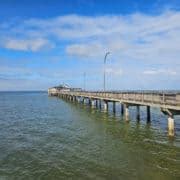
pixel 169 103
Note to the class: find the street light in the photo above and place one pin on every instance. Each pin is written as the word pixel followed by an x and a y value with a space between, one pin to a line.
pixel 105 57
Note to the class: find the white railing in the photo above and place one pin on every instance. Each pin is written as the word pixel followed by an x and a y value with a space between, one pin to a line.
pixel 144 97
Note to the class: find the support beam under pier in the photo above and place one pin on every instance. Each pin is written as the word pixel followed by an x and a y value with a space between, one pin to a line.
pixel 84 100
pixel 99 103
pixel 138 113
pixel 114 107
pixel 92 102
pixel 170 114
pixel 126 108
pixel 96 101
pixel 122 109
pixel 148 114
pixel 105 105
pixel 74 98
pixel 170 125
pixel 89 101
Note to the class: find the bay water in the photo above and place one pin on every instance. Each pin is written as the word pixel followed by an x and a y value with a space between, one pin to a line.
pixel 44 137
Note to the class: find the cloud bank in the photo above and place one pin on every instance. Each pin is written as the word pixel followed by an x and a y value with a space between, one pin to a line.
pixel 137 36
pixel 147 47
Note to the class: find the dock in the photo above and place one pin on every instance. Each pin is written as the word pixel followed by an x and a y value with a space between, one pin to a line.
pixel 168 102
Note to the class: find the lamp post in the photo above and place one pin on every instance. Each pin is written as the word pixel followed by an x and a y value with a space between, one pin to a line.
pixel 105 57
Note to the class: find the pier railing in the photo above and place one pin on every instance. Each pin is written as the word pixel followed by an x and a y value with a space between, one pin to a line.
pixel 156 98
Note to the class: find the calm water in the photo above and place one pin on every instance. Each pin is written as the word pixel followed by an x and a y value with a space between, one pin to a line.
pixel 45 137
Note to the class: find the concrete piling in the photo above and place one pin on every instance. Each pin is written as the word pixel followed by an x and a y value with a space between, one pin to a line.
pixel 122 109
pixel 96 101
pixel 105 105
pixel 92 102
pixel 84 101
pixel 126 108
pixel 148 114
pixel 170 126
pixel 138 113
pixel 99 103
pixel 114 107
pixel 74 98
pixel 89 102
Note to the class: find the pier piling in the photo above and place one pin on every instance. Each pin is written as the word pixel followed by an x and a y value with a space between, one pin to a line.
pixel 126 107
pixel 105 105
pixel 138 113
pixel 122 109
pixel 148 114
pixel 99 103
pixel 114 107
pixel 96 102
pixel 170 125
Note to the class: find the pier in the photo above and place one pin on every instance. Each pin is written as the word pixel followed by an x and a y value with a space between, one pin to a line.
pixel 168 102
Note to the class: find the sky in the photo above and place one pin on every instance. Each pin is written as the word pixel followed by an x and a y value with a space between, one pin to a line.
pixel 44 43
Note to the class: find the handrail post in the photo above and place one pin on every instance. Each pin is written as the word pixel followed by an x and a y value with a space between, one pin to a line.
pixel 163 98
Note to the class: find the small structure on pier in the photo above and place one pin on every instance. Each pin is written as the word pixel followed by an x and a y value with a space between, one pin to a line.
pixel 62 88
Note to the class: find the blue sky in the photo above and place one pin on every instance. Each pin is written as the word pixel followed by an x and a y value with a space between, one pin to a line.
pixel 47 42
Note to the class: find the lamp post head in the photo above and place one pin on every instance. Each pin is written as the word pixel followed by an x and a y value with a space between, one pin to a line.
pixel 106 56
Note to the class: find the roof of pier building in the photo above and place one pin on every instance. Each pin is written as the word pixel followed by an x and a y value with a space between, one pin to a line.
pixel 65 87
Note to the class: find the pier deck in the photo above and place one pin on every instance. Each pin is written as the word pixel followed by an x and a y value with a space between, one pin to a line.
pixel 168 102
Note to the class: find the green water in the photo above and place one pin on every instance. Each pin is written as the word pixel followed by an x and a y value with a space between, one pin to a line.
pixel 45 137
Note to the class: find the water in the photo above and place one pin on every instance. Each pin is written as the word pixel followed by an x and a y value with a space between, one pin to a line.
pixel 45 137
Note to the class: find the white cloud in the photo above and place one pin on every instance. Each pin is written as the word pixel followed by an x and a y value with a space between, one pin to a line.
pixel 135 36
pixel 83 50
pixel 27 44
pixel 160 72
pixel 114 71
